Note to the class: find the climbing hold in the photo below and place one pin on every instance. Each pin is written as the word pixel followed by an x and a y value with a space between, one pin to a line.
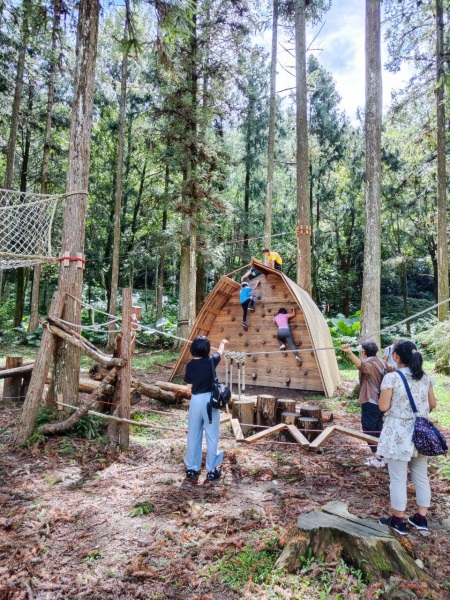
pixel 240 334
pixel 288 381
pixel 254 376
pixel 268 370
pixel 263 314
pixel 254 359
pixel 233 318
pixel 220 328
pixel 246 344
pixel 269 310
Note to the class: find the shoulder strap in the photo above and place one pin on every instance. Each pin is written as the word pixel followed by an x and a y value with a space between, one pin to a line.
pixel 213 368
pixel 408 391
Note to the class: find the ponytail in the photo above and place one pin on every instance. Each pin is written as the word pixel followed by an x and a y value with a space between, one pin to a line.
pixel 411 357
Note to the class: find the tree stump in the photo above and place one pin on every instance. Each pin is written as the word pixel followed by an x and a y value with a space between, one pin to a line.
pixel 361 542
pixel 305 424
pixel 12 385
pixel 243 411
pixel 314 412
pixel 289 418
pixel 266 410
pixel 327 416
pixel 284 405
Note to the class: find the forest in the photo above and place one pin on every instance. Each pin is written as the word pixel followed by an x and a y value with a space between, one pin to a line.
pixel 151 146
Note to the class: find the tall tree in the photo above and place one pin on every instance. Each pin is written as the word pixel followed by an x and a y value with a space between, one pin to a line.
pixel 303 210
pixel 67 359
pixel 370 305
pixel 119 177
pixel 272 114
pixel 442 237
pixel 54 59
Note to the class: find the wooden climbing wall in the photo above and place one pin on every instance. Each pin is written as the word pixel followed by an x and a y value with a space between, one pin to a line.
pixel 221 317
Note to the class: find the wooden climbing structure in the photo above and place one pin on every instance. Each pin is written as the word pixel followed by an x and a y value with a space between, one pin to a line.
pixel 221 316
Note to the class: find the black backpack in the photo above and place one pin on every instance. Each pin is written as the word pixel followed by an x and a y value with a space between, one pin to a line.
pixel 220 394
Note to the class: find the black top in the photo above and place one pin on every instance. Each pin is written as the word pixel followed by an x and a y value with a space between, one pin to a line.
pixel 199 373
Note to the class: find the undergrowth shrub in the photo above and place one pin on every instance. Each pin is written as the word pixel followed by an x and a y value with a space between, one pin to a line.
pixel 437 340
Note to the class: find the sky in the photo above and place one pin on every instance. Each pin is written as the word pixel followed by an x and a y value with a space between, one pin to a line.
pixel 339 47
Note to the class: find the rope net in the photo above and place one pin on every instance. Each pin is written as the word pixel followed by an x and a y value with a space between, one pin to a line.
pixel 25 228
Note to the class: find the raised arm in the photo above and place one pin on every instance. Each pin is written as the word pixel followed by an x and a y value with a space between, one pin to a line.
pixel 355 360
pixel 222 345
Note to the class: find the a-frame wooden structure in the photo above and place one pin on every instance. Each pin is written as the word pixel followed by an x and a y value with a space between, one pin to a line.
pixel 221 316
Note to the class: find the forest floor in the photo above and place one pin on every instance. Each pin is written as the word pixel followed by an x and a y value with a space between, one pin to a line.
pixel 80 521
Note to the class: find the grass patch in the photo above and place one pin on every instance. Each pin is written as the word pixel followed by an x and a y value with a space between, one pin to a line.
pixel 142 508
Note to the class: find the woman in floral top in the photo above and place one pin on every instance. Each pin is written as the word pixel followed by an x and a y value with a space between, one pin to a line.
pixel 396 445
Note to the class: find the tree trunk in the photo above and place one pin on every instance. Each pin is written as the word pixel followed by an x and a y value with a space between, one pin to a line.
pixel 442 238
pixel 272 114
pixel 266 410
pixel 370 304
pixel 118 205
pixel 303 213
pixel 162 255
pixel 12 140
pixel 22 273
pixel 67 360
pixel 361 542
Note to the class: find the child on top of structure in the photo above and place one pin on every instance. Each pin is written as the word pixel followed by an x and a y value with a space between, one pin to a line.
pixel 272 259
pixel 247 299
pixel 284 331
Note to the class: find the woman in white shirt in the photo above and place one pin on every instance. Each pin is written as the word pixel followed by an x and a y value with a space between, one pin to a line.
pixel 396 445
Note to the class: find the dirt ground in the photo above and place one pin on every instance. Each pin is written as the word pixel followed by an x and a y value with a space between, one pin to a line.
pixel 71 525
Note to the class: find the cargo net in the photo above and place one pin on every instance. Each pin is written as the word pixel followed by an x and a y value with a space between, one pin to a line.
pixel 26 221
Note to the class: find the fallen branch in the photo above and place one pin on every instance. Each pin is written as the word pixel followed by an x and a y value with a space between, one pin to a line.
pixel 50 428
pixel 95 355
pixel 23 370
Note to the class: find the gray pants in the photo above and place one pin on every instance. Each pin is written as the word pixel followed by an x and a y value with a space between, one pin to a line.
pixel 285 334
pixel 398 473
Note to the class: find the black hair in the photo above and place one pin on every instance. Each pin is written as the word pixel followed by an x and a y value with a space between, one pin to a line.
pixel 265 250
pixel 370 348
pixel 282 311
pixel 200 347
pixel 244 284
pixel 411 357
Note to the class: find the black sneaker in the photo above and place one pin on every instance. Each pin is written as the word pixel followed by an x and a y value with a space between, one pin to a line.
pixel 244 325
pixel 192 475
pixel 419 523
pixel 400 528
pixel 214 474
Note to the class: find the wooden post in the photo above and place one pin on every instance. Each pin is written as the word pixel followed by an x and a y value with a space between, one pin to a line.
pixel 243 411
pixel 266 410
pixel 314 412
pixel 305 424
pixel 288 418
pixel 40 370
pixel 284 405
pixel 12 385
pixel 124 376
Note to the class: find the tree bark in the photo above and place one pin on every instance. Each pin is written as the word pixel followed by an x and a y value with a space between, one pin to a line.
pixel 303 212
pixel 67 359
pixel 12 140
pixel 442 238
pixel 272 114
pixel 266 410
pixel 34 395
pixel 370 303
pixel 243 411
pixel 12 385
pixel 118 205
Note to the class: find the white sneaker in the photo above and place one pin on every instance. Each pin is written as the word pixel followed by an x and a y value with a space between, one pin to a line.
pixel 282 346
pixel 373 461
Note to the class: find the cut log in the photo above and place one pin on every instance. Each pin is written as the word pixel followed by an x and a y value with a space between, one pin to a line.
pixel 306 424
pixel 288 418
pixel 243 411
pixel 182 391
pixel 12 385
pixel 327 416
pixel 361 542
pixel 25 369
pixel 314 412
pixel 266 410
pixel 284 405
pixel 152 391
